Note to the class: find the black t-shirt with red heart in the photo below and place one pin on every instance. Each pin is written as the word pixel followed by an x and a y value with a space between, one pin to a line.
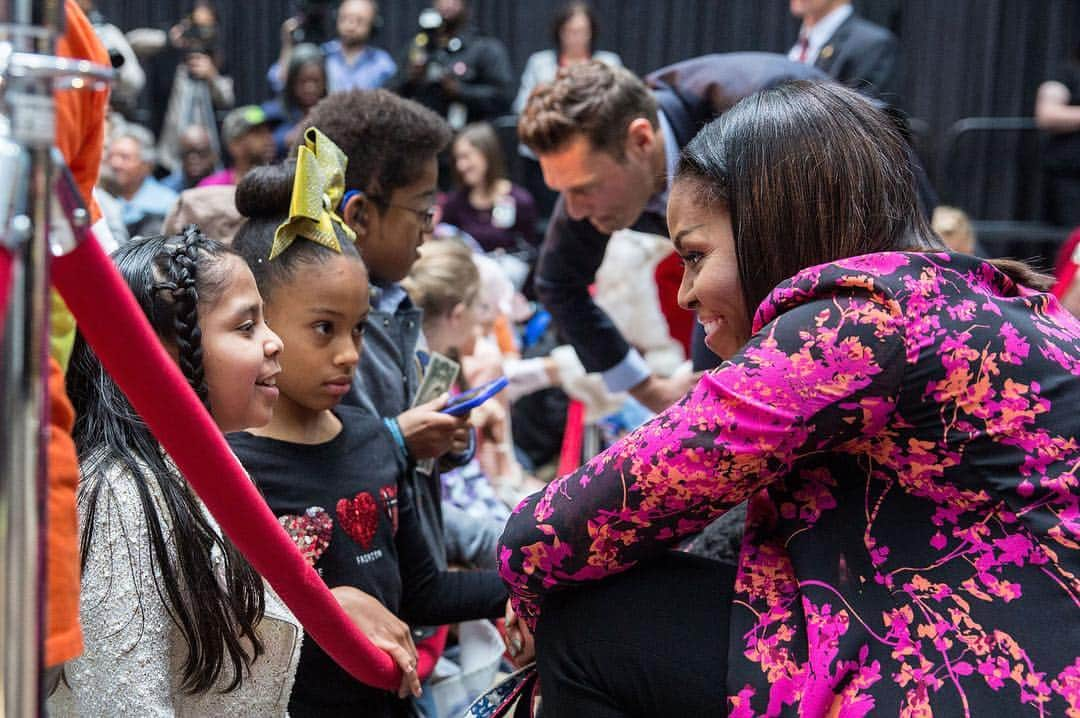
pixel 351 512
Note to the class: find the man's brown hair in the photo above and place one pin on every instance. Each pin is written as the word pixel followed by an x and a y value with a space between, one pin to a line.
pixel 591 99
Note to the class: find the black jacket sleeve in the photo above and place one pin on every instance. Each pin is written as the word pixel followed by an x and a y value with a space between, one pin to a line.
pixel 430 597
pixel 569 258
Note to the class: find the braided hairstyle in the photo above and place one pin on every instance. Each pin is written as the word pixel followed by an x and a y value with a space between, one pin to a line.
pixel 170 278
pixel 181 265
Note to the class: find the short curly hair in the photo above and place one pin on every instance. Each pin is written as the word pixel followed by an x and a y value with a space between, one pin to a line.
pixel 387 139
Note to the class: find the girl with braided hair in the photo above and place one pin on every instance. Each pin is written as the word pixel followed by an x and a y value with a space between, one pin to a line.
pixel 176 621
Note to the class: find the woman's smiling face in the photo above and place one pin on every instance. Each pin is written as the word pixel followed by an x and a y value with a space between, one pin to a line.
pixel 710 286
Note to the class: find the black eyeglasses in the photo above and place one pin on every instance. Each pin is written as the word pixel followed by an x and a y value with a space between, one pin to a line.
pixel 426 216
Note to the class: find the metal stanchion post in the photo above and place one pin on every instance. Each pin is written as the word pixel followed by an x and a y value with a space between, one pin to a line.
pixel 28 74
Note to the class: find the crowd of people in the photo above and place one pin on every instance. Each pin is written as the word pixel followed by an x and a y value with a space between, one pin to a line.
pixel 777 438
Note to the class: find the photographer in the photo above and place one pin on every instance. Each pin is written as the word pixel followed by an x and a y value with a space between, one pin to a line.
pixel 351 63
pixel 199 89
pixel 463 76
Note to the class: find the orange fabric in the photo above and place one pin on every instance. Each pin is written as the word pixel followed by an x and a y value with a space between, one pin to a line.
pixel 63 637
pixel 504 335
pixel 80 114
pixel 80 136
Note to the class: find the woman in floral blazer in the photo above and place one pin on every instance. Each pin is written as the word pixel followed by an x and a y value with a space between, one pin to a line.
pixel 903 422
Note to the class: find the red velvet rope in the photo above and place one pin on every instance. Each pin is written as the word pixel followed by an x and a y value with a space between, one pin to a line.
pixel 5 286
pixel 112 322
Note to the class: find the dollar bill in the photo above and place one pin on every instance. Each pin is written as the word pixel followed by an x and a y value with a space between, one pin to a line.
pixel 439 376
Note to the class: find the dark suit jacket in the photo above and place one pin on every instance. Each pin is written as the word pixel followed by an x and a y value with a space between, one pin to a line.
pixel 690 93
pixel 861 53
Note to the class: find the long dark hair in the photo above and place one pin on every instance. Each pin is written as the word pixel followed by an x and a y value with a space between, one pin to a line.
pixel 481 135
pixel 170 277
pixel 302 55
pixel 810 173
pixel 563 15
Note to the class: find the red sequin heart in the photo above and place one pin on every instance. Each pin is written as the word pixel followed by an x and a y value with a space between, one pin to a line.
pixel 359 516
pixel 310 532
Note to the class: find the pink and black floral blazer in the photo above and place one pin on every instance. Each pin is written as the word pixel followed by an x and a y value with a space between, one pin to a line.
pixel 905 428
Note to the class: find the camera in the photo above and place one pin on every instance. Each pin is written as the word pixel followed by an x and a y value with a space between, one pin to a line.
pixel 200 39
pixel 315 18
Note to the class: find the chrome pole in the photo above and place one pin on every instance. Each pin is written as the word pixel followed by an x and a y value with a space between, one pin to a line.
pixel 25 178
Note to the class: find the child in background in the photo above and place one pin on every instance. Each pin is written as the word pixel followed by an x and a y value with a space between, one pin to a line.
pixel 175 620
pixel 333 472
pixel 444 283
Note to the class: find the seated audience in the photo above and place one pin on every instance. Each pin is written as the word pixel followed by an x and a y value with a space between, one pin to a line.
pixel 492 210
pixel 197 159
pixel 248 135
pixel 130 159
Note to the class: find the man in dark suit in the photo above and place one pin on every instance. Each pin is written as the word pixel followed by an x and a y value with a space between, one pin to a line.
pixel 609 144
pixel 848 48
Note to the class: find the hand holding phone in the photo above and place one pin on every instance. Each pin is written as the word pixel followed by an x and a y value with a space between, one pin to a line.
pixel 463 403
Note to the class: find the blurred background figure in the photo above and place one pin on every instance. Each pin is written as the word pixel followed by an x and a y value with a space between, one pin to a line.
pixel 249 136
pixel 199 88
pixel 305 85
pixel 573 33
pixel 451 69
pixel 495 212
pixel 351 62
pixel 1057 110
pixel 197 159
pixel 848 48
pixel 954 228
pixel 129 161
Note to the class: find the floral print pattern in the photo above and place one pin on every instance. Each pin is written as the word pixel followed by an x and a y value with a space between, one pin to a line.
pixel 905 429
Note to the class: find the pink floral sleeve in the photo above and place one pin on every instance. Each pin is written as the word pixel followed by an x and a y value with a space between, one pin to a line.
pixel 824 369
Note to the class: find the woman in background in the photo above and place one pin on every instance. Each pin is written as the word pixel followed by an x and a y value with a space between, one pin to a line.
pixel 305 85
pixel 573 32
pixel 492 210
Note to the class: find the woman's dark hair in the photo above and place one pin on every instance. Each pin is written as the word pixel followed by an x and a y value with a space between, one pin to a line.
pixel 170 278
pixel 563 15
pixel 263 197
pixel 387 138
pixel 302 55
pixel 482 136
pixel 810 173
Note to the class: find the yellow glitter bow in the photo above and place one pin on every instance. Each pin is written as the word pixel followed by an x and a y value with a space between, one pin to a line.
pixel 317 191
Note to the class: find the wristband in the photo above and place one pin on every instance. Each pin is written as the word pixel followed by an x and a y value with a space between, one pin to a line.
pixel 395 431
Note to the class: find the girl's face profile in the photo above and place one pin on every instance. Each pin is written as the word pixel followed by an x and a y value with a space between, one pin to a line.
pixel 240 352
pixel 320 312
pixel 710 287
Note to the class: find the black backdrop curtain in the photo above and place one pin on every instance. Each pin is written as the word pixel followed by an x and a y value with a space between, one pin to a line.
pixel 961 58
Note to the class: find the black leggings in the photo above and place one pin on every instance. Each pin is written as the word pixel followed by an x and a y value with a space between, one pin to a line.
pixel 649 642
